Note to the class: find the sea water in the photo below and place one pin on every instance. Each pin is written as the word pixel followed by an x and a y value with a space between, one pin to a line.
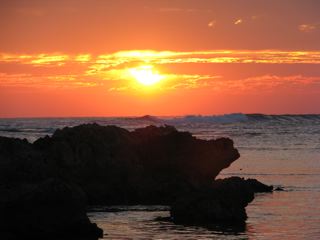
pixel 282 150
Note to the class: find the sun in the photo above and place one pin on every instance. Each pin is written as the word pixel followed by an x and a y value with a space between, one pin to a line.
pixel 146 75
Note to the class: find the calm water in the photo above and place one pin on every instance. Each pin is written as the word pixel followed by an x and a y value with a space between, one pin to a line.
pixel 279 150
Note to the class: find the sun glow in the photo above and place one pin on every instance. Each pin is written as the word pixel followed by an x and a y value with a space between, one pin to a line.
pixel 146 75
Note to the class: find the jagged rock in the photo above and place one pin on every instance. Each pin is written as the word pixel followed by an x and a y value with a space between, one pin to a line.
pixel 223 202
pixel 150 165
pixel 258 187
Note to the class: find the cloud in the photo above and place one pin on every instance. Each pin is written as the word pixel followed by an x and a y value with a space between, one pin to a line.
pixel 216 56
pixel 238 21
pixel 37 59
pixel 190 81
pixel 83 58
pixel 113 60
pixel 125 58
pixel 110 70
pixel 45 80
pixel 275 80
pixel 271 82
pixel 212 24
pixel 307 28
pixel 257 17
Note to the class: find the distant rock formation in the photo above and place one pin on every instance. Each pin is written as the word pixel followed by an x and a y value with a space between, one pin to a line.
pixel 45 184
pixel 147 118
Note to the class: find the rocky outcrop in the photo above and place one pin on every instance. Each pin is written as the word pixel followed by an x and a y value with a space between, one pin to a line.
pixel 49 210
pixel 147 166
pixel 35 206
pixel 44 185
pixel 223 202
pixel 19 162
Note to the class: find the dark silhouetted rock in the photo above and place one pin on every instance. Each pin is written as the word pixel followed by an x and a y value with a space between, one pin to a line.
pixel 237 182
pixel 258 187
pixel 113 166
pixel 146 118
pixel 223 202
pixel 49 210
pixel 150 165
pixel 279 189
pixel 19 162
pixel 32 205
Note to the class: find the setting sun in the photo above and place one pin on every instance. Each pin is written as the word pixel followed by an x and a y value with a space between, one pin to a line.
pixel 146 75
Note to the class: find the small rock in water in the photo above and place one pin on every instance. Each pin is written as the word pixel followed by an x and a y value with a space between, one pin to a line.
pixel 223 202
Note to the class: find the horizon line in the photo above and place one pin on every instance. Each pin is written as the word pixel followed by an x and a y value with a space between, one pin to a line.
pixel 165 116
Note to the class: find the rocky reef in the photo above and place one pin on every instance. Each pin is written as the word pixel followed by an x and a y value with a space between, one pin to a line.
pixel 45 185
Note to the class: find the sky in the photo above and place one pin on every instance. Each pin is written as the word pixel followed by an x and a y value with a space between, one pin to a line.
pixel 158 57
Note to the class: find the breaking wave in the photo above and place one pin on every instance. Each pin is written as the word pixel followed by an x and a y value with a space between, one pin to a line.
pixel 226 118
pixel 239 117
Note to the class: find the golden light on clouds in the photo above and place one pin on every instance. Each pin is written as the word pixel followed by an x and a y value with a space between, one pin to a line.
pixel 137 69
pixel 146 75
pixel 239 21
pixel 308 28
pixel 168 57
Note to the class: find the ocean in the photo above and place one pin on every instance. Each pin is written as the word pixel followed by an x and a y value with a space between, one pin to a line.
pixel 281 150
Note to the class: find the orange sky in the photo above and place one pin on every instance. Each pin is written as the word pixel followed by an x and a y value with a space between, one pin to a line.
pixel 76 57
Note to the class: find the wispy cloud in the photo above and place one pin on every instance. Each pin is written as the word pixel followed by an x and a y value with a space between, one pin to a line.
pixel 238 21
pixel 310 27
pixel 212 24
pixel 36 60
pixel 45 80
pixel 271 82
pixel 167 57
pixel 111 70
